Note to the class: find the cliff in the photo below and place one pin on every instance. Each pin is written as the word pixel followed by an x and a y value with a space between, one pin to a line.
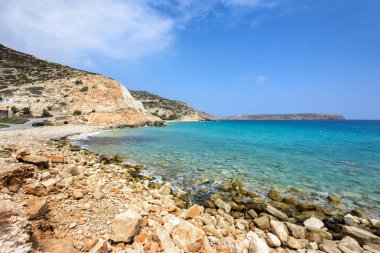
pixel 167 109
pixel 77 96
pixel 298 116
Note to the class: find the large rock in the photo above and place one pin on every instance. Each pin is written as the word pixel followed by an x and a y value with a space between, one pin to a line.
pixel 164 239
pixel 100 247
pixel 294 243
pixel 256 244
pixel 280 230
pixel 329 246
pixel 349 245
pixel 193 211
pixel 223 205
pixel 34 159
pixel 262 222
pixel 36 207
pixel 35 189
pixel 125 226
pixel 362 236
pixel 188 237
pixel 313 222
pixel 57 246
pixel 166 189
pixel 277 213
pixel 296 231
pixel 322 233
pixel 54 158
pixel 273 240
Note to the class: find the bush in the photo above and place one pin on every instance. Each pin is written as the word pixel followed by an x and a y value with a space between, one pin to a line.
pixel 46 113
pixel 49 108
pixel 84 89
pixel 26 111
pixel 77 113
pixel 47 123
pixel 78 82
pixel 14 109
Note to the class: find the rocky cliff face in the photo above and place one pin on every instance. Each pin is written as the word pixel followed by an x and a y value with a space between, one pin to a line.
pixel 79 96
pixel 299 116
pixel 167 109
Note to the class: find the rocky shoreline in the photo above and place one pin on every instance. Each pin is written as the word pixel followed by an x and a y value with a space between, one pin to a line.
pixel 57 197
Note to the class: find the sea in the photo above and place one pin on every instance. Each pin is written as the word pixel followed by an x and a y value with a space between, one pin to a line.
pixel 320 158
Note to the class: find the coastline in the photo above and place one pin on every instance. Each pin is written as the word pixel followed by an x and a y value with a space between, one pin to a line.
pixel 229 221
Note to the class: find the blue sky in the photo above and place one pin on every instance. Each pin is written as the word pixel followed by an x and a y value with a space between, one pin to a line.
pixel 224 57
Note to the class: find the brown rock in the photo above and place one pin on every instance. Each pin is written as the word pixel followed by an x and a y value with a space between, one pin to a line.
pixel 164 239
pixel 314 237
pixel 362 236
pixel 329 246
pixel 188 237
pixel 192 212
pixel 277 213
pixel 294 243
pixel 125 226
pixel 100 247
pixel 349 245
pixel 54 158
pixel 57 246
pixel 14 184
pixel 263 222
pixel 280 230
pixel 36 207
pixel 34 159
pixel 275 195
pixel 77 194
pixel 323 233
pixel 296 231
pixel 335 201
pixel 90 244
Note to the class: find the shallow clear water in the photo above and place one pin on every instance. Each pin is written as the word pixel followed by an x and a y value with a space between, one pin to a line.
pixel 318 157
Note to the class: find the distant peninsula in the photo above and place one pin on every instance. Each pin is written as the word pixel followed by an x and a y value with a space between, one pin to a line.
pixel 298 116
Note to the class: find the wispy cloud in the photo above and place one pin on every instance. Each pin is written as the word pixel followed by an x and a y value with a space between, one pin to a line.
pixel 252 78
pixel 73 31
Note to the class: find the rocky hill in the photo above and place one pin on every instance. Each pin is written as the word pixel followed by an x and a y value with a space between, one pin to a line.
pixel 168 109
pixel 298 116
pixel 78 96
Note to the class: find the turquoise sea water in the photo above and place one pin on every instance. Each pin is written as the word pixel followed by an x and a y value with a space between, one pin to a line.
pixel 318 157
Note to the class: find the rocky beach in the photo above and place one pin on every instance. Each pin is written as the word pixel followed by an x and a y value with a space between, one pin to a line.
pixel 58 197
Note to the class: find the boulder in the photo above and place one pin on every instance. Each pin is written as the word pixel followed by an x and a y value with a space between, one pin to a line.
pixel 294 243
pixel 14 184
pixel 77 194
pixel 329 246
pixel 323 233
pixel 273 240
pixel 296 231
pixel 125 226
pixel 275 195
pixel 164 239
pixel 54 158
pixel 193 211
pixel 263 222
pixel 277 213
pixel 349 245
pixel 34 159
pixel 313 222
pixel 257 244
pixel 57 246
pixel 223 205
pixel 280 230
pixel 166 189
pixel 361 236
pixel 252 213
pixel 188 237
pixel 36 207
pixel 35 189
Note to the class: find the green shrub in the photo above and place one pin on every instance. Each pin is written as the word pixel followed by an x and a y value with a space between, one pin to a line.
pixel 47 123
pixel 14 109
pixel 46 113
pixel 84 89
pixel 26 111
pixel 77 113
pixel 49 108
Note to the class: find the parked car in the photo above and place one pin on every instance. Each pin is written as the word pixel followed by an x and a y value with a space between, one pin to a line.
pixel 38 124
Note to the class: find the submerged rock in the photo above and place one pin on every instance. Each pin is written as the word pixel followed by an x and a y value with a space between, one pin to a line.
pixel 335 201
pixel 275 195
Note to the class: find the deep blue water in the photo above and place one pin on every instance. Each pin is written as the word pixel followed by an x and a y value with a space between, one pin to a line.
pixel 318 157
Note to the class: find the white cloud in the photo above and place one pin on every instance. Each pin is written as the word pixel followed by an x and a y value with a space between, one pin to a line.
pixel 252 78
pixel 71 30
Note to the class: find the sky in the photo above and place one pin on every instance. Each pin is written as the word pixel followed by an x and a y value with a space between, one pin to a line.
pixel 224 57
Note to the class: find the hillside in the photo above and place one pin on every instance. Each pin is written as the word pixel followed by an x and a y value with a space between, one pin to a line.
pixel 29 82
pixel 167 109
pixel 298 116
